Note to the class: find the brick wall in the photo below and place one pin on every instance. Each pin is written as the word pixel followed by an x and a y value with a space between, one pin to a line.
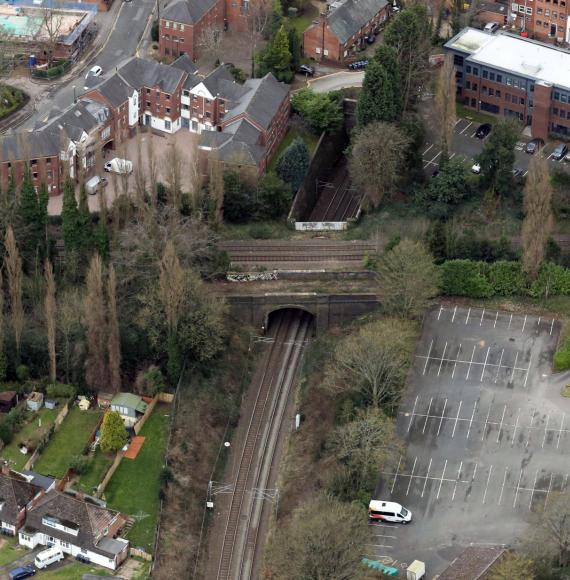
pixel 541 110
pixel 44 170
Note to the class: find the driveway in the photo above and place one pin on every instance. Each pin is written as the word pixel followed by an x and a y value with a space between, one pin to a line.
pixel 486 432
pixel 336 81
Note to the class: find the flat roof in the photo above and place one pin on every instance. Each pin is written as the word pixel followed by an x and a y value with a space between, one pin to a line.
pixel 520 56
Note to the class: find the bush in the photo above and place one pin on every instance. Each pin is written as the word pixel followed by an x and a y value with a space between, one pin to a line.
pixel 273 197
pixel 61 391
pixel 6 433
pixel 553 280
pixel 465 278
pixel 323 111
pixel 80 464
pixel 293 164
pixel 260 232
pixel 22 373
pixel 151 381
pixel 507 278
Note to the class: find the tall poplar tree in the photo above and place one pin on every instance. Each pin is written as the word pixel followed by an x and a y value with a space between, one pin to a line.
pixel 51 317
pixel 114 342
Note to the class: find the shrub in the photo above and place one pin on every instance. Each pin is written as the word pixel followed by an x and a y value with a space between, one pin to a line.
pixel 507 278
pixel 6 433
pixel 465 278
pixel 166 476
pixel 61 391
pixel 151 381
pixel 260 232
pixel 22 373
pixel 553 280
pixel 80 464
pixel 293 164
pixel 562 356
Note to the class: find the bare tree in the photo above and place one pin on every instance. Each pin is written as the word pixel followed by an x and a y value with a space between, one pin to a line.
pixel 211 40
pixel 538 220
pixel 171 286
pixel 216 191
pixel 114 338
pixel 513 566
pixel 373 362
pixel 94 312
pixel 195 178
pixel 69 326
pixel 124 176
pixel 13 265
pixel 140 173
pixel 258 16
pixel 172 163
pixel 50 306
pixel 364 447
pixel 51 31
pixel 377 160
pixel 444 105
pixel 152 166
pixel 325 535
pixel 3 359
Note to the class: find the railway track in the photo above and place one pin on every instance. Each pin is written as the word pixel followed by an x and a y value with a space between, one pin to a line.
pixel 245 512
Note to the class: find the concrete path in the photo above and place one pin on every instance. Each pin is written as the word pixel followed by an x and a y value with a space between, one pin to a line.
pixel 337 81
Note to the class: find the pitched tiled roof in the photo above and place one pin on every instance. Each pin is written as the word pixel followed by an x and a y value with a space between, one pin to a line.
pixel 15 494
pixel 184 62
pixel 28 145
pixel 186 11
pixel 221 82
pixel 237 144
pixel 348 18
pixel 262 101
pixel 139 72
pixel 116 90
pixel 92 521
pixel 85 115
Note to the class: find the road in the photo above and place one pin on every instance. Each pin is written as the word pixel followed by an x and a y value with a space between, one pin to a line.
pixel 127 30
pixel 466 146
pixel 337 81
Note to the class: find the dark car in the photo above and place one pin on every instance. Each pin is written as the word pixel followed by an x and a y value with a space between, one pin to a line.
pixel 305 69
pixel 370 38
pixel 533 146
pixel 358 65
pixel 435 172
pixel 83 559
pixel 560 151
pixel 22 572
pixel 483 130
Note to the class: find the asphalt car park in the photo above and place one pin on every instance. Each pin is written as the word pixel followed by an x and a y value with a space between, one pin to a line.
pixel 466 146
pixel 485 429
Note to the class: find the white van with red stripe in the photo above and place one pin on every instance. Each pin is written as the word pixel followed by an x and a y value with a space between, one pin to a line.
pixel 388 511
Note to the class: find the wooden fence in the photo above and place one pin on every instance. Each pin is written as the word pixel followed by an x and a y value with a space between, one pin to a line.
pixel 57 423
pixel 140 554
pixel 113 467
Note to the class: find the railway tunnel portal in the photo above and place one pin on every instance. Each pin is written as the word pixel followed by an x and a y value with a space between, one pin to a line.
pixel 326 309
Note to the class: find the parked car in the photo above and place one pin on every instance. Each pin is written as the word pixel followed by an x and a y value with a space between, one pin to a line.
pixel 387 511
pixel 95 184
pixel 94 71
pixel 359 64
pixel 533 146
pixel 305 69
pixel 476 168
pixel 491 27
pixel 560 151
pixel 517 172
pixel 121 166
pixel 22 572
pixel 483 130
pixel 48 557
pixel 370 38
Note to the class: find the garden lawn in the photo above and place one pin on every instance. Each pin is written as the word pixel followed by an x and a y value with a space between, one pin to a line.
pixel 30 432
pixel 68 442
pixel 96 472
pixel 303 21
pixel 10 551
pixel 135 486
pixel 310 140
pixel 72 571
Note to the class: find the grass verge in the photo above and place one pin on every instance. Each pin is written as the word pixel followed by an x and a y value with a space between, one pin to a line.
pixel 10 551
pixel 71 571
pixel 475 116
pixel 135 486
pixel 68 442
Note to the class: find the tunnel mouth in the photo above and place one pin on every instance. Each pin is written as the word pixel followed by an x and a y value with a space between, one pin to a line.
pixel 272 317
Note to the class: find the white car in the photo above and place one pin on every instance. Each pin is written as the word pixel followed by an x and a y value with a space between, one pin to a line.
pixel 476 168
pixel 94 71
pixel 121 166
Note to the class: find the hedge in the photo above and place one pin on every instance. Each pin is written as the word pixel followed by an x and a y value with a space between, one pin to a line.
pixel 503 278
pixel 562 357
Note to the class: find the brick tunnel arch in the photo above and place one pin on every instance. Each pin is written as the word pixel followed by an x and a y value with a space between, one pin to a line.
pixel 270 315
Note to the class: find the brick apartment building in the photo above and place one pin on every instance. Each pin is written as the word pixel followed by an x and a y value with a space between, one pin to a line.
pixel 338 34
pixel 545 20
pixel 492 12
pixel 508 75
pixel 156 97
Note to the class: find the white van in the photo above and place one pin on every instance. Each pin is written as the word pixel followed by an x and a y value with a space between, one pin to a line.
pixel 48 557
pixel 491 27
pixel 388 511
pixel 116 165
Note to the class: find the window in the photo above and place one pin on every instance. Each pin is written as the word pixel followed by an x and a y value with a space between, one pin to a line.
pixel 509 81
pixel 485 74
pixel 539 10
pixel 148 104
pixel 35 174
pixel 457 60
pixel 508 97
pixel 167 125
pixel 539 22
pixel 562 114
pixel 529 11
pixel 498 93
pixel 555 15
pixel 521 101
pixel 167 51
pixel 326 52
pixel 556 96
pixel 318 50
pixel 474 86
pixel 484 89
pixel 106 133
pixel 208 114
pixel 492 76
pixel 181 26
pixel 167 97
pixel 491 91
pixel 49 174
pixel 515 100
pixel 185 93
pixel 174 38
pixel 499 78
pixel 468 84
pixel 167 110
pixel 468 69
pixel 547 12
pixel 167 24
pixel 185 107
pixel 25 537
pixel 475 71
pixel 564 98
